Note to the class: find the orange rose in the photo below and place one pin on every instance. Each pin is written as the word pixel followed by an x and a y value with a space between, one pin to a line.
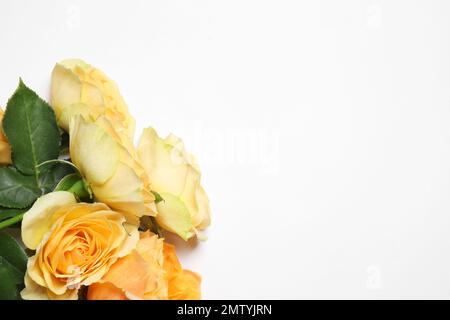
pixel 182 284
pixel 150 272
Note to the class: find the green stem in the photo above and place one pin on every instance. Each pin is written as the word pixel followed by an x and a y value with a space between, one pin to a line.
pixel 11 221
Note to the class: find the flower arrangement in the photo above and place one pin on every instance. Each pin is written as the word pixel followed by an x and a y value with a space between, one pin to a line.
pixel 91 206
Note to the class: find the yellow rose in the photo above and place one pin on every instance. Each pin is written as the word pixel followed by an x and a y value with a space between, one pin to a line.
pixel 112 173
pixel 5 149
pixel 151 272
pixel 176 177
pixel 75 243
pixel 79 89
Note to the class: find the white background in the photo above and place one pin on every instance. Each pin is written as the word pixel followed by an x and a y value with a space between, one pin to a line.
pixel 322 129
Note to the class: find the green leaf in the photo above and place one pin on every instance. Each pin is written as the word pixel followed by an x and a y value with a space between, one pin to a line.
pixel 49 163
pixel 80 190
pixel 74 183
pixel 64 151
pixel 30 126
pixel 50 179
pixel 158 197
pixel 13 265
pixel 11 251
pixel 15 274
pixel 16 190
pixel 8 287
pixel 67 182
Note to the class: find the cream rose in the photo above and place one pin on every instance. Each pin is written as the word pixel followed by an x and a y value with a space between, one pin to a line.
pixel 175 175
pixel 112 173
pixel 112 169
pixel 80 89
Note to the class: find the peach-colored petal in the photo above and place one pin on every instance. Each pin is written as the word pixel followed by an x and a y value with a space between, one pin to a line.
pixel 151 272
pixel 129 274
pixel 105 291
pixel 171 263
pixel 150 247
pixel 182 284
pixel 185 286
pixel 138 275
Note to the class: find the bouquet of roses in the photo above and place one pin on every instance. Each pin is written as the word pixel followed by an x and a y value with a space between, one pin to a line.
pixel 91 206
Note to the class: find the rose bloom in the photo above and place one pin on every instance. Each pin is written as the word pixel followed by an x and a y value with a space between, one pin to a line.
pixel 152 271
pixel 104 152
pixel 5 149
pixel 75 243
pixel 78 88
pixel 112 173
pixel 175 175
